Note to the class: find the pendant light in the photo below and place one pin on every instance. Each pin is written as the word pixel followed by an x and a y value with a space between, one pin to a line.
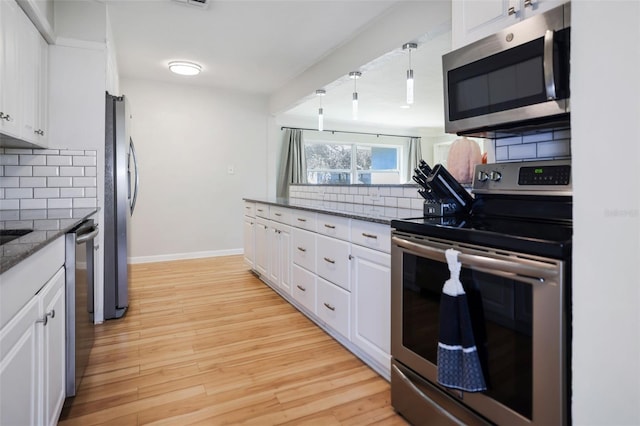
pixel 355 75
pixel 409 46
pixel 320 93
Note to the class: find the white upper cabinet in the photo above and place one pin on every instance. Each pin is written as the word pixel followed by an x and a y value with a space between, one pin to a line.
pixel 475 19
pixel 23 78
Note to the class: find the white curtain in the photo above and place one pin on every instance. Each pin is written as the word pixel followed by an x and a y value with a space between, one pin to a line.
pixel 413 158
pixel 293 165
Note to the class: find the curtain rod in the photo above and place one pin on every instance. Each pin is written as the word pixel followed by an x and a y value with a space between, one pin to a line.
pixel 356 133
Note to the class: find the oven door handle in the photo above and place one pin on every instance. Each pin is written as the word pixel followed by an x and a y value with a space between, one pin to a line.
pixel 528 271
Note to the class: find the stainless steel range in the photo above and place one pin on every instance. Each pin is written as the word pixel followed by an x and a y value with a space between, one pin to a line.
pixel 514 244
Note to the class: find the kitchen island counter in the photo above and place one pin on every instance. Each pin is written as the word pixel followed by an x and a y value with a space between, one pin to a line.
pixel 47 225
pixel 377 213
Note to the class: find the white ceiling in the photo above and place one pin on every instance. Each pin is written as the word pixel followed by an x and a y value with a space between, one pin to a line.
pixel 258 46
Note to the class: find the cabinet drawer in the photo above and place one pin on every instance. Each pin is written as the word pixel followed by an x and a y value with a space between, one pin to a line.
pixel 303 288
pixel 333 260
pixel 262 210
pixel 304 249
pixel 333 226
pixel 249 209
pixel 280 214
pixel 376 236
pixel 333 306
pixel 303 219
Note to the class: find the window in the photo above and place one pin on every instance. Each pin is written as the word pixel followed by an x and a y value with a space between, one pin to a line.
pixel 352 163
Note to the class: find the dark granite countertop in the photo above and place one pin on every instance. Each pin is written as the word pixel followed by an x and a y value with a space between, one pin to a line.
pixel 370 213
pixel 47 225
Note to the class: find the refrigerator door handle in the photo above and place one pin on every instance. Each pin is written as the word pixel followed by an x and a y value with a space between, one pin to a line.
pixel 137 177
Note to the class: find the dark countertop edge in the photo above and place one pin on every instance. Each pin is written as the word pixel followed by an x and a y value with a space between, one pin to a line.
pixel 284 202
pixel 8 262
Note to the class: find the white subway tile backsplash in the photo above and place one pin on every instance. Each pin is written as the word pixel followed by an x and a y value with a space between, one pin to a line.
pixel 9 204
pixel 9 160
pixel 17 193
pixel 384 192
pixel 72 192
pixel 39 179
pixel 33 160
pixel 71 171
pixel 537 137
pixel 46 192
pixel 61 182
pixel 397 191
pixel 46 225
pixel 417 204
pixel 33 182
pixel 84 161
pixel 60 203
pixel 9 182
pixel 59 160
pixel 18 171
pixel 562 134
pixel 404 203
pixel 516 140
pixel 390 201
pixel 522 152
pixel 36 203
pixel 502 153
pixel 555 148
pixel 46 171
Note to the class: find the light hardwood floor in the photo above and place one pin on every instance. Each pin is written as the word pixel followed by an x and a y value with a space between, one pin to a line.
pixel 206 342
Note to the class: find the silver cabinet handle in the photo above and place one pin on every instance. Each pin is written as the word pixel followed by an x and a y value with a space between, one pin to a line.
pixel 5 117
pixel 260 210
pixel 547 65
pixel 326 225
pixel 46 316
pixel 247 207
pixel 302 249
pixel 326 259
pixel 528 3
pixel 364 234
pixel 511 11
pixel 301 219
pixel 278 214
pixel 301 288
pixel 328 306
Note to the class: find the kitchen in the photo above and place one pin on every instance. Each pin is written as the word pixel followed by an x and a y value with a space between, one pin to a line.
pixel 602 253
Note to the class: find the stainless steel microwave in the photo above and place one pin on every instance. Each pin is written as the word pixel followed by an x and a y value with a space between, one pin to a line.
pixel 511 81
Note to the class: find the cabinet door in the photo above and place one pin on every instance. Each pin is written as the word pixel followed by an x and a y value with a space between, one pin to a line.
pixel 475 19
pixel 371 303
pixel 535 7
pixel 42 122
pixel 284 248
pixel 261 254
pixel 29 58
pixel 53 348
pixel 19 367
pixel 303 287
pixel 332 306
pixel 304 249
pixel 9 95
pixel 274 256
pixel 249 241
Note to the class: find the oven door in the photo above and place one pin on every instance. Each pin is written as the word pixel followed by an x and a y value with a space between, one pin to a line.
pixel 516 302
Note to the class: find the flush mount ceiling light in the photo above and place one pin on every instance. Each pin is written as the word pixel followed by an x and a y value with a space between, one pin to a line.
pixel 355 75
pixel 185 68
pixel 320 93
pixel 409 46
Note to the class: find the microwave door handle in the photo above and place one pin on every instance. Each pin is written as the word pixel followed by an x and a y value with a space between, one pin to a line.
pixel 547 65
pixel 524 272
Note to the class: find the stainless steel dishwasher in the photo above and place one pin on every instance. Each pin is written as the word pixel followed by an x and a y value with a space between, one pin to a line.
pixel 79 299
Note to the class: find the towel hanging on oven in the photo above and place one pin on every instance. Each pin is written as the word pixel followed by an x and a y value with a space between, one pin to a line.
pixel 458 361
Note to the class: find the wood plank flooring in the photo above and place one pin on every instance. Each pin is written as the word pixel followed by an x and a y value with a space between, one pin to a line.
pixel 206 342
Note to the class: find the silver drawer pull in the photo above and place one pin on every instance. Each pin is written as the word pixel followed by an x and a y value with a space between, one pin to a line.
pixel 326 259
pixel 326 225
pixel 364 234
pixel 301 219
pixel 260 210
pixel 302 249
pixel 301 288
pixel 247 207
pixel 45 318
pixel 278 214
pixel 328 306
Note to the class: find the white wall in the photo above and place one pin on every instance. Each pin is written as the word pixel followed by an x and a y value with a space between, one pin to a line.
pixel 605 109
pixel 186 138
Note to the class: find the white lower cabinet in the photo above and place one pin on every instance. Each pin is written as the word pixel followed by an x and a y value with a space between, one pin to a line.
pixel 279 243
pixel 249 240
pixel 333 260
pixel 303 287
pixel 261 257
pixel 333 306
pixel 32 359
pixel 371 303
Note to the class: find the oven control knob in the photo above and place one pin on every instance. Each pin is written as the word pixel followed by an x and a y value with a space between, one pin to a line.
pixel 482 176
pixel 495 176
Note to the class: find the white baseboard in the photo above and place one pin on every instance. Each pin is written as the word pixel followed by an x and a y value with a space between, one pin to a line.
pixel 183 256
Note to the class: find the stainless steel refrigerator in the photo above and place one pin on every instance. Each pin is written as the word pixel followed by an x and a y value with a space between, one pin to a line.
pixel 120 193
